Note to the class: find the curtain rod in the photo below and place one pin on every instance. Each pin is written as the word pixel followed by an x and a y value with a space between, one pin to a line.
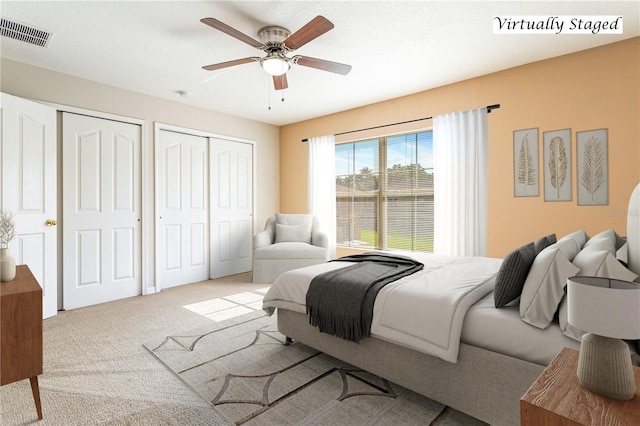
pixel 489 109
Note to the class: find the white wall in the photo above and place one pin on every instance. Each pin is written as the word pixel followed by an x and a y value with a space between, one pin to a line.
pixel 31 82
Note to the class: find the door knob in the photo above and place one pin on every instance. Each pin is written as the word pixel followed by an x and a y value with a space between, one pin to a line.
pixel 51 222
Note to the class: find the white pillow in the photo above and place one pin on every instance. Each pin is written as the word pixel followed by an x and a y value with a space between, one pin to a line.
pixel 606 240
pixel 595 262
pixel 305 221
pixel 544 287
pixel 579 238
pixel 290 233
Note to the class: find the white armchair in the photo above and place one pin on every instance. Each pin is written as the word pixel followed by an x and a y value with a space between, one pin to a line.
pixel 289 241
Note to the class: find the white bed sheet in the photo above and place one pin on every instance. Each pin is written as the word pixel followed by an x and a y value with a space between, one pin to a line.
pixel 424 311
pixel 503 331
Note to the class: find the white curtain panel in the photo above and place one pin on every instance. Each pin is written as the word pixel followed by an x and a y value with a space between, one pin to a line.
pixel 322 185
pixel 460 183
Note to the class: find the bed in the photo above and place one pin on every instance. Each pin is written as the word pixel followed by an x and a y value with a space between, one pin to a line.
pixel 480 359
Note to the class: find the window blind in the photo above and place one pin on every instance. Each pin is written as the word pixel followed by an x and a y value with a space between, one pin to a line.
pixel 384 193
pixel 408 195
pixel 357 193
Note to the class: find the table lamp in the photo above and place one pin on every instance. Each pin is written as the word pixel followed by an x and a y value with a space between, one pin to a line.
pixel 607 310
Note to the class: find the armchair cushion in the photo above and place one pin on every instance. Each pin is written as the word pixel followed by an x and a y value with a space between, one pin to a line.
pixel 292 233
pixel 302 233
pixel 291 250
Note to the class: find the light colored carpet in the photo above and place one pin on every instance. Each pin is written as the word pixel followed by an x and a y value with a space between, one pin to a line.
pixel 242 367
pixel 96 370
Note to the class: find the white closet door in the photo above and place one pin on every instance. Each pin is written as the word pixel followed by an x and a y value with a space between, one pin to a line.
pixel 182 200
pixel 101 210
pixel 231 207
pixel 28 176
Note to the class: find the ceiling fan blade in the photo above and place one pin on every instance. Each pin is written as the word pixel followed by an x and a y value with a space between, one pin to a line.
pixel 221 26
pixel 227 64
pixel 280 82
pixel 313 29
pixel 322 64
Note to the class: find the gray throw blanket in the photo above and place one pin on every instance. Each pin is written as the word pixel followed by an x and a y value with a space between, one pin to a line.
pixel 340 302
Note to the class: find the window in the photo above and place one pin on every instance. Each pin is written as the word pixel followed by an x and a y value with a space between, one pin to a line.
pixel 384 193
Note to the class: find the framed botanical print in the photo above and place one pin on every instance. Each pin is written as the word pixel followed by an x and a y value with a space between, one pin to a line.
pixel 526 163
pixel 592 166
pixel 557 165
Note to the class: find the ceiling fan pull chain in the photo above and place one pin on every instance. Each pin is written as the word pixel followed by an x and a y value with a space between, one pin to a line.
pixel 269 92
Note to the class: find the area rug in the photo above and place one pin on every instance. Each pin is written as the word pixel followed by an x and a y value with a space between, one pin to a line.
pixel 243 368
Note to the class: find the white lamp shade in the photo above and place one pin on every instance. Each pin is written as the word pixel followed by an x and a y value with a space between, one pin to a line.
pixel 604 306
pixel 275 65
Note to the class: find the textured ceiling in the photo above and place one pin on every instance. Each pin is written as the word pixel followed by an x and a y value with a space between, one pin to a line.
pixel 395 47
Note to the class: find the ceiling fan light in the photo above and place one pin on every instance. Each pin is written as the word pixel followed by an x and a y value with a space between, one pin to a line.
pixel 275 65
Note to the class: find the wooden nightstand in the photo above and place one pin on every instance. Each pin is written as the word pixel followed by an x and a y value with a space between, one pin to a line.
pixel 21 331
pixel 557 398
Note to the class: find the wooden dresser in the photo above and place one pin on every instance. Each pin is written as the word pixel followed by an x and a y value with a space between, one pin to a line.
pixel 557 398
pixel 21 331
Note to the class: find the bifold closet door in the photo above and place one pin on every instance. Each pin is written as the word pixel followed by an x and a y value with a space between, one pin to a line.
pixel 183 208
pixel 101 210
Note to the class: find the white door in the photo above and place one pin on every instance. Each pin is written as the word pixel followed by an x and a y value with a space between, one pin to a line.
pixel 101 210
pixel 182 200
pixel 231 207
pixel 29 189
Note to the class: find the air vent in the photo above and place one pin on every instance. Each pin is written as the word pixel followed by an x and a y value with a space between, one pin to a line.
pixel 24 32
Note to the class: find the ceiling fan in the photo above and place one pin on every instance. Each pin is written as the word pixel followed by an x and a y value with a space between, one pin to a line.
pixel 277 42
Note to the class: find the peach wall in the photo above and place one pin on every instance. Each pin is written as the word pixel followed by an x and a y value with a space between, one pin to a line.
pixel 593 89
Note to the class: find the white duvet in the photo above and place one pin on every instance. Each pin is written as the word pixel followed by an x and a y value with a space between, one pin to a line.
pixel 423 311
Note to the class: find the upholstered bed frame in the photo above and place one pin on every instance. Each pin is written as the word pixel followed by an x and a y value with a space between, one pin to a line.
pixel 483 384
